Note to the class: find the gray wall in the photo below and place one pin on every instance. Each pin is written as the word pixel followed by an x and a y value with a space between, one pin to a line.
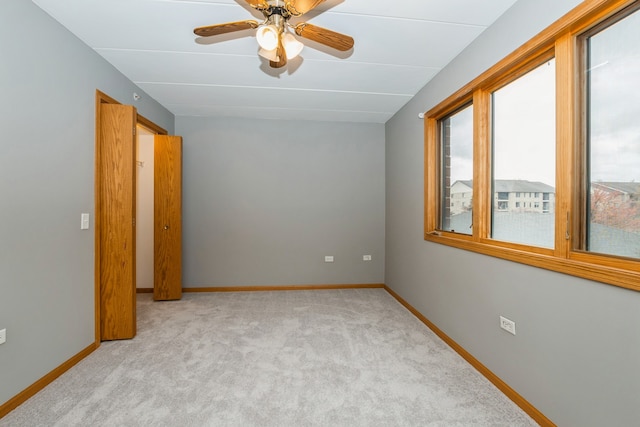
pixel 577 349
pixel 48 80
pixel 249 220
pixel 265 201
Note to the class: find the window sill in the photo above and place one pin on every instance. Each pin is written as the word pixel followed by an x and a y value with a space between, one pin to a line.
pixel 618 272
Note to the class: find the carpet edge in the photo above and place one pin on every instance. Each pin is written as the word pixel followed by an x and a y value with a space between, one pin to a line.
pixel 518 399
pixel 47 379
pixel 273 288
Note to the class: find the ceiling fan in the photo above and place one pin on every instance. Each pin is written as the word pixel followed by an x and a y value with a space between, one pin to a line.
pixel 277 43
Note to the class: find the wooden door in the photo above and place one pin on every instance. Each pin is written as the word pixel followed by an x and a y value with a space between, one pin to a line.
pixel 117 181
pixel 167 218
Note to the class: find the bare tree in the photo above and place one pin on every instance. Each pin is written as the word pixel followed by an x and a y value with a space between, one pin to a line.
pixel 614 210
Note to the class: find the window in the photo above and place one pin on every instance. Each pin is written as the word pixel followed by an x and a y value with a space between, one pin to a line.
pixel 524 143
pixel 613 174
pixel 457 170
pixel 540 155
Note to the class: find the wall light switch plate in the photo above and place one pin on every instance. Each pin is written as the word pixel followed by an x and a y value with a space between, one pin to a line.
pixel 3 336
pixel 366 257
pixel 328 258
pixel 84 221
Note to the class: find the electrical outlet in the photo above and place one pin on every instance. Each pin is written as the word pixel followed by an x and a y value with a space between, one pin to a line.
pixel 508 325
pixel 3 336
pixel 328 258
pixel 366 257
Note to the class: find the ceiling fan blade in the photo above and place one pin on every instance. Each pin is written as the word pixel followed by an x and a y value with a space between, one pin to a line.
pixel 299 7
pixel 258 4
pixel 326 37
pixel 282 57
pixel 229 27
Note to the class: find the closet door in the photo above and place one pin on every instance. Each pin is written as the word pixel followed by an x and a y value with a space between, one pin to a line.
pixel 117 180
pixel 167 218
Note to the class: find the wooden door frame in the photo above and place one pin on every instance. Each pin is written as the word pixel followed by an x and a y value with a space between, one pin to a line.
pixel 101 99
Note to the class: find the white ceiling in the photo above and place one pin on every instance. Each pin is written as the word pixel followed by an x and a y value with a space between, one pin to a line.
pixel 399 46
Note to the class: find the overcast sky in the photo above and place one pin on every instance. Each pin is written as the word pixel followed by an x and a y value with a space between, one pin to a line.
pixel 524 117
pixel 615 91
pixel 462 145
pixel 524 127
pixel 524 131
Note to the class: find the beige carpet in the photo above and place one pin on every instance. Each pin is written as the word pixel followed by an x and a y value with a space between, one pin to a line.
pixel 294 358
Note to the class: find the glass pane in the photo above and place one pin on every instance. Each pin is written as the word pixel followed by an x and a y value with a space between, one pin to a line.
pixel 614 139
pixel 457 171
pixel 524 160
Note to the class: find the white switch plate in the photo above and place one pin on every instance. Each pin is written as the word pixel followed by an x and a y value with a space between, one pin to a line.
pixel 508 325
pixel 3 336
pixel 328 258
pixel 366 257
pixel 84 221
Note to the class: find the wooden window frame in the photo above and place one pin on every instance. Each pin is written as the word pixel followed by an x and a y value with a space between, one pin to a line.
pixel 561 41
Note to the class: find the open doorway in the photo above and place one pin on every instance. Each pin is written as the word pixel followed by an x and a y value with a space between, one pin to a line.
pixel 116 190
pixel 144 209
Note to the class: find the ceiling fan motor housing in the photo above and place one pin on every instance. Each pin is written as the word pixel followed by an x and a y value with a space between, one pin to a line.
pixel 277 20
pixel 278 11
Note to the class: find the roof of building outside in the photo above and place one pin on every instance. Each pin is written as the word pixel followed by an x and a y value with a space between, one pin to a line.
pixel 515 186
pixel 623 187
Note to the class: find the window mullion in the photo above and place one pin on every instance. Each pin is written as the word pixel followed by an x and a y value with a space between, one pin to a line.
pixel 566 180
pixel 482 165
pixel 431 176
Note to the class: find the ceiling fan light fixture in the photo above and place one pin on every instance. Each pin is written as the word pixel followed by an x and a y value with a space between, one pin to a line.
pixel 271 55
pixel 268 36
pixel 292 46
